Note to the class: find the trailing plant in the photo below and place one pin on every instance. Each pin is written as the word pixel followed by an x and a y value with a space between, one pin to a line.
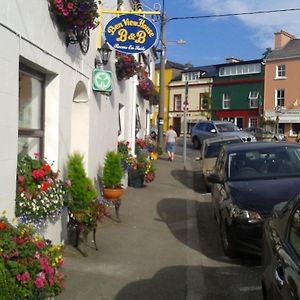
pixel 40 193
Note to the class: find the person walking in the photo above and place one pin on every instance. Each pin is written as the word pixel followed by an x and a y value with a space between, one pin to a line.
pixel 171 137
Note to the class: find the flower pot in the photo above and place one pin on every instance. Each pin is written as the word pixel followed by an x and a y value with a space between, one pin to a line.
pixel 112 194
pixel 135 178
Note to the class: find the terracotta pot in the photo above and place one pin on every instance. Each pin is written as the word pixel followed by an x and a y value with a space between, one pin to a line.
pixel 113 194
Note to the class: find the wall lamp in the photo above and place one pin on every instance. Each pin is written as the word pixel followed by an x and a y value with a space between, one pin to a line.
pixel 103 55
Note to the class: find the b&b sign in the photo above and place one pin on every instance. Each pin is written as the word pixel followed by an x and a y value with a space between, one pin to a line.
pixel 130 33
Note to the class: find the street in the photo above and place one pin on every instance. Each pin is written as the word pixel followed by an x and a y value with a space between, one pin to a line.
pixel 223 278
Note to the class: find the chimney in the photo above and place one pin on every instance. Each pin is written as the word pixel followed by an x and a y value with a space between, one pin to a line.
pixel 232 60
pixel 282 38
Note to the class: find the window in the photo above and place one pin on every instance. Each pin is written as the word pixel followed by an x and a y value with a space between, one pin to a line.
pixel 295 128
pixel 253 122
pixel 204 101
pixel 138 125
pixel 31 111
pixel 226 101
pixel 279 98
pixel 280 71
pixel 253 99
pixel 177 102
pixel 240 70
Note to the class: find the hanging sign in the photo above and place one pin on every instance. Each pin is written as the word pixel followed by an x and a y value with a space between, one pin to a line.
pixel 130 33
pixel 102 81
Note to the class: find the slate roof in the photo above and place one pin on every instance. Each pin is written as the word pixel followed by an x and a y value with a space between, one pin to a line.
pixel 171 65
pixel 290 50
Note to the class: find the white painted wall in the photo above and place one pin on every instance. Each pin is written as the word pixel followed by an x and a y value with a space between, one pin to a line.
pixel 90 123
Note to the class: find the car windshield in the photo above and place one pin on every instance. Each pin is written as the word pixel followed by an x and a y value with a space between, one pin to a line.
pixel 227 127
pixel 264 164
pixel 213 149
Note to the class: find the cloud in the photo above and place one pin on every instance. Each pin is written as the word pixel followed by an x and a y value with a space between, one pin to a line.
pixel 263 26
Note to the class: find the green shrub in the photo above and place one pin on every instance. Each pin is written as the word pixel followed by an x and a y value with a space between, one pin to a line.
pixel 82 191
pixel 112 170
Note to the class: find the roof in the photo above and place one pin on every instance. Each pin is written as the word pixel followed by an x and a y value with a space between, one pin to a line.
pixel 171 65
pixel 290 50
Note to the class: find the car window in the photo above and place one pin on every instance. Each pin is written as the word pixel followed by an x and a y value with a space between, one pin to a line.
pixel 227 127
pixel 264 164
pixel 220 163
pixel 212 150
pixel 294 236
pixel 201 126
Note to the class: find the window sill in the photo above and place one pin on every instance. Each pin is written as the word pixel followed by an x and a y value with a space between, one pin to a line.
pixel 280 78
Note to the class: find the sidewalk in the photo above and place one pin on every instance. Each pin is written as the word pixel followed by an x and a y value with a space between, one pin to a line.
pixel 148 255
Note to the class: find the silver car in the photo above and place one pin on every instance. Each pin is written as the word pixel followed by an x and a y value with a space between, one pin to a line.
pixel 207 129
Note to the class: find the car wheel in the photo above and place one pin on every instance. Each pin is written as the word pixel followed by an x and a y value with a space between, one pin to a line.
pixel 196 143
pixel 226 238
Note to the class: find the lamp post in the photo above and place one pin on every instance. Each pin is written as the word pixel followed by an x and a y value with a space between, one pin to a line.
pixel 161 107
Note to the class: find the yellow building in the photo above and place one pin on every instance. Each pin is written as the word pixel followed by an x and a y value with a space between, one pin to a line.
pixel 172 70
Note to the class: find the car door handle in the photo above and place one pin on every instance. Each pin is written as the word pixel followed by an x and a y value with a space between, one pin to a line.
pixel 279 276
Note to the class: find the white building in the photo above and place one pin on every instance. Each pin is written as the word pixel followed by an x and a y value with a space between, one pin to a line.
pixel 47 101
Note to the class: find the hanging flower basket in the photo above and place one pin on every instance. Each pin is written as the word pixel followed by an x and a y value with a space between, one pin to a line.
pixel 146 88
pixel 71 14
pixel 126 66
pixel 75 18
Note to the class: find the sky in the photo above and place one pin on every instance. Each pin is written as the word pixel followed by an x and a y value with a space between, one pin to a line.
pixel 211 40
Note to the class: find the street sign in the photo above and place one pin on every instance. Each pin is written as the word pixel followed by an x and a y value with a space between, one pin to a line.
pixel 102 80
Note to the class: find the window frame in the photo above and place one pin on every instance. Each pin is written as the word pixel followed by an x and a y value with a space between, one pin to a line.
pixel 34 132
pixel 226 99
pixel 177 100
pixel 253 99
pixel 202 97
pixel 279 97
pixel 280 71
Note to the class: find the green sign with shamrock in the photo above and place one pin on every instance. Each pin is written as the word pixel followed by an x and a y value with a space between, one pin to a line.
pixel 102 80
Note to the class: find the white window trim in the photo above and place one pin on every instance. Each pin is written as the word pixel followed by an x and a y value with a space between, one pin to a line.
pixel 277 72
pixel 226 100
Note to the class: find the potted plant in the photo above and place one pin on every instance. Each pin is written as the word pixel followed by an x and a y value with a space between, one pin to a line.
pixel 112 176
pixel 83 194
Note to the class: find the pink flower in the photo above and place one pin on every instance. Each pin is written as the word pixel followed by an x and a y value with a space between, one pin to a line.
pixel 61 263
pixel 39 244
pixel 36 154
pixel 50 180
pixel 28 196
pixel 65 12
pixel 58 1
pixel 23 277
pixel 48 270
pixel 68 182
pixel 39 282
pixel 21 179
pixel 70 5
pixel 37 255
pixel 38 174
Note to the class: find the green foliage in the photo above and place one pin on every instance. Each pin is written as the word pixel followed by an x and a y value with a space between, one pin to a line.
pixel 30 266
pixel 112 170
pixel 7 286
pixel 82 191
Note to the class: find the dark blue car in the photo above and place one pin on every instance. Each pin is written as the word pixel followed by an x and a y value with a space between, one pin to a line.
pixel 248 180
pixel 281 252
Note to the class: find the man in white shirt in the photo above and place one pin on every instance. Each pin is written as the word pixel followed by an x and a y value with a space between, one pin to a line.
pixel 171 137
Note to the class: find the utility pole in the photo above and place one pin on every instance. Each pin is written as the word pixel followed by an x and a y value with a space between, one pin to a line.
pixel 161 106
pixel 185 109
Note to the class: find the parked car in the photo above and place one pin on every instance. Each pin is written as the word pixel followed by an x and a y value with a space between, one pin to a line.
pixel 248 180
pixel 209 151
pixel 207 129
pixel 281 252
pixel 262 134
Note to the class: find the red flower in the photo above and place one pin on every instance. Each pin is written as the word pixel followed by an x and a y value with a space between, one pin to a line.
pixel 39 244
pixel 45 186
pixel 46 168
pixel 3 226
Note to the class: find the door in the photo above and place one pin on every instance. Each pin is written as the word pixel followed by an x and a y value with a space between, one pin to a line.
pixel 177 125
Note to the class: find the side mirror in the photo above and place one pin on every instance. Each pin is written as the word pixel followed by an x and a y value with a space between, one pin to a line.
pixel 198 158
pixel 213 131
pixel 214 178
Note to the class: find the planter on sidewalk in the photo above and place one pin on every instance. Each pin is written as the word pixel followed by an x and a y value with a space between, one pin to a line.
pixel 135 178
